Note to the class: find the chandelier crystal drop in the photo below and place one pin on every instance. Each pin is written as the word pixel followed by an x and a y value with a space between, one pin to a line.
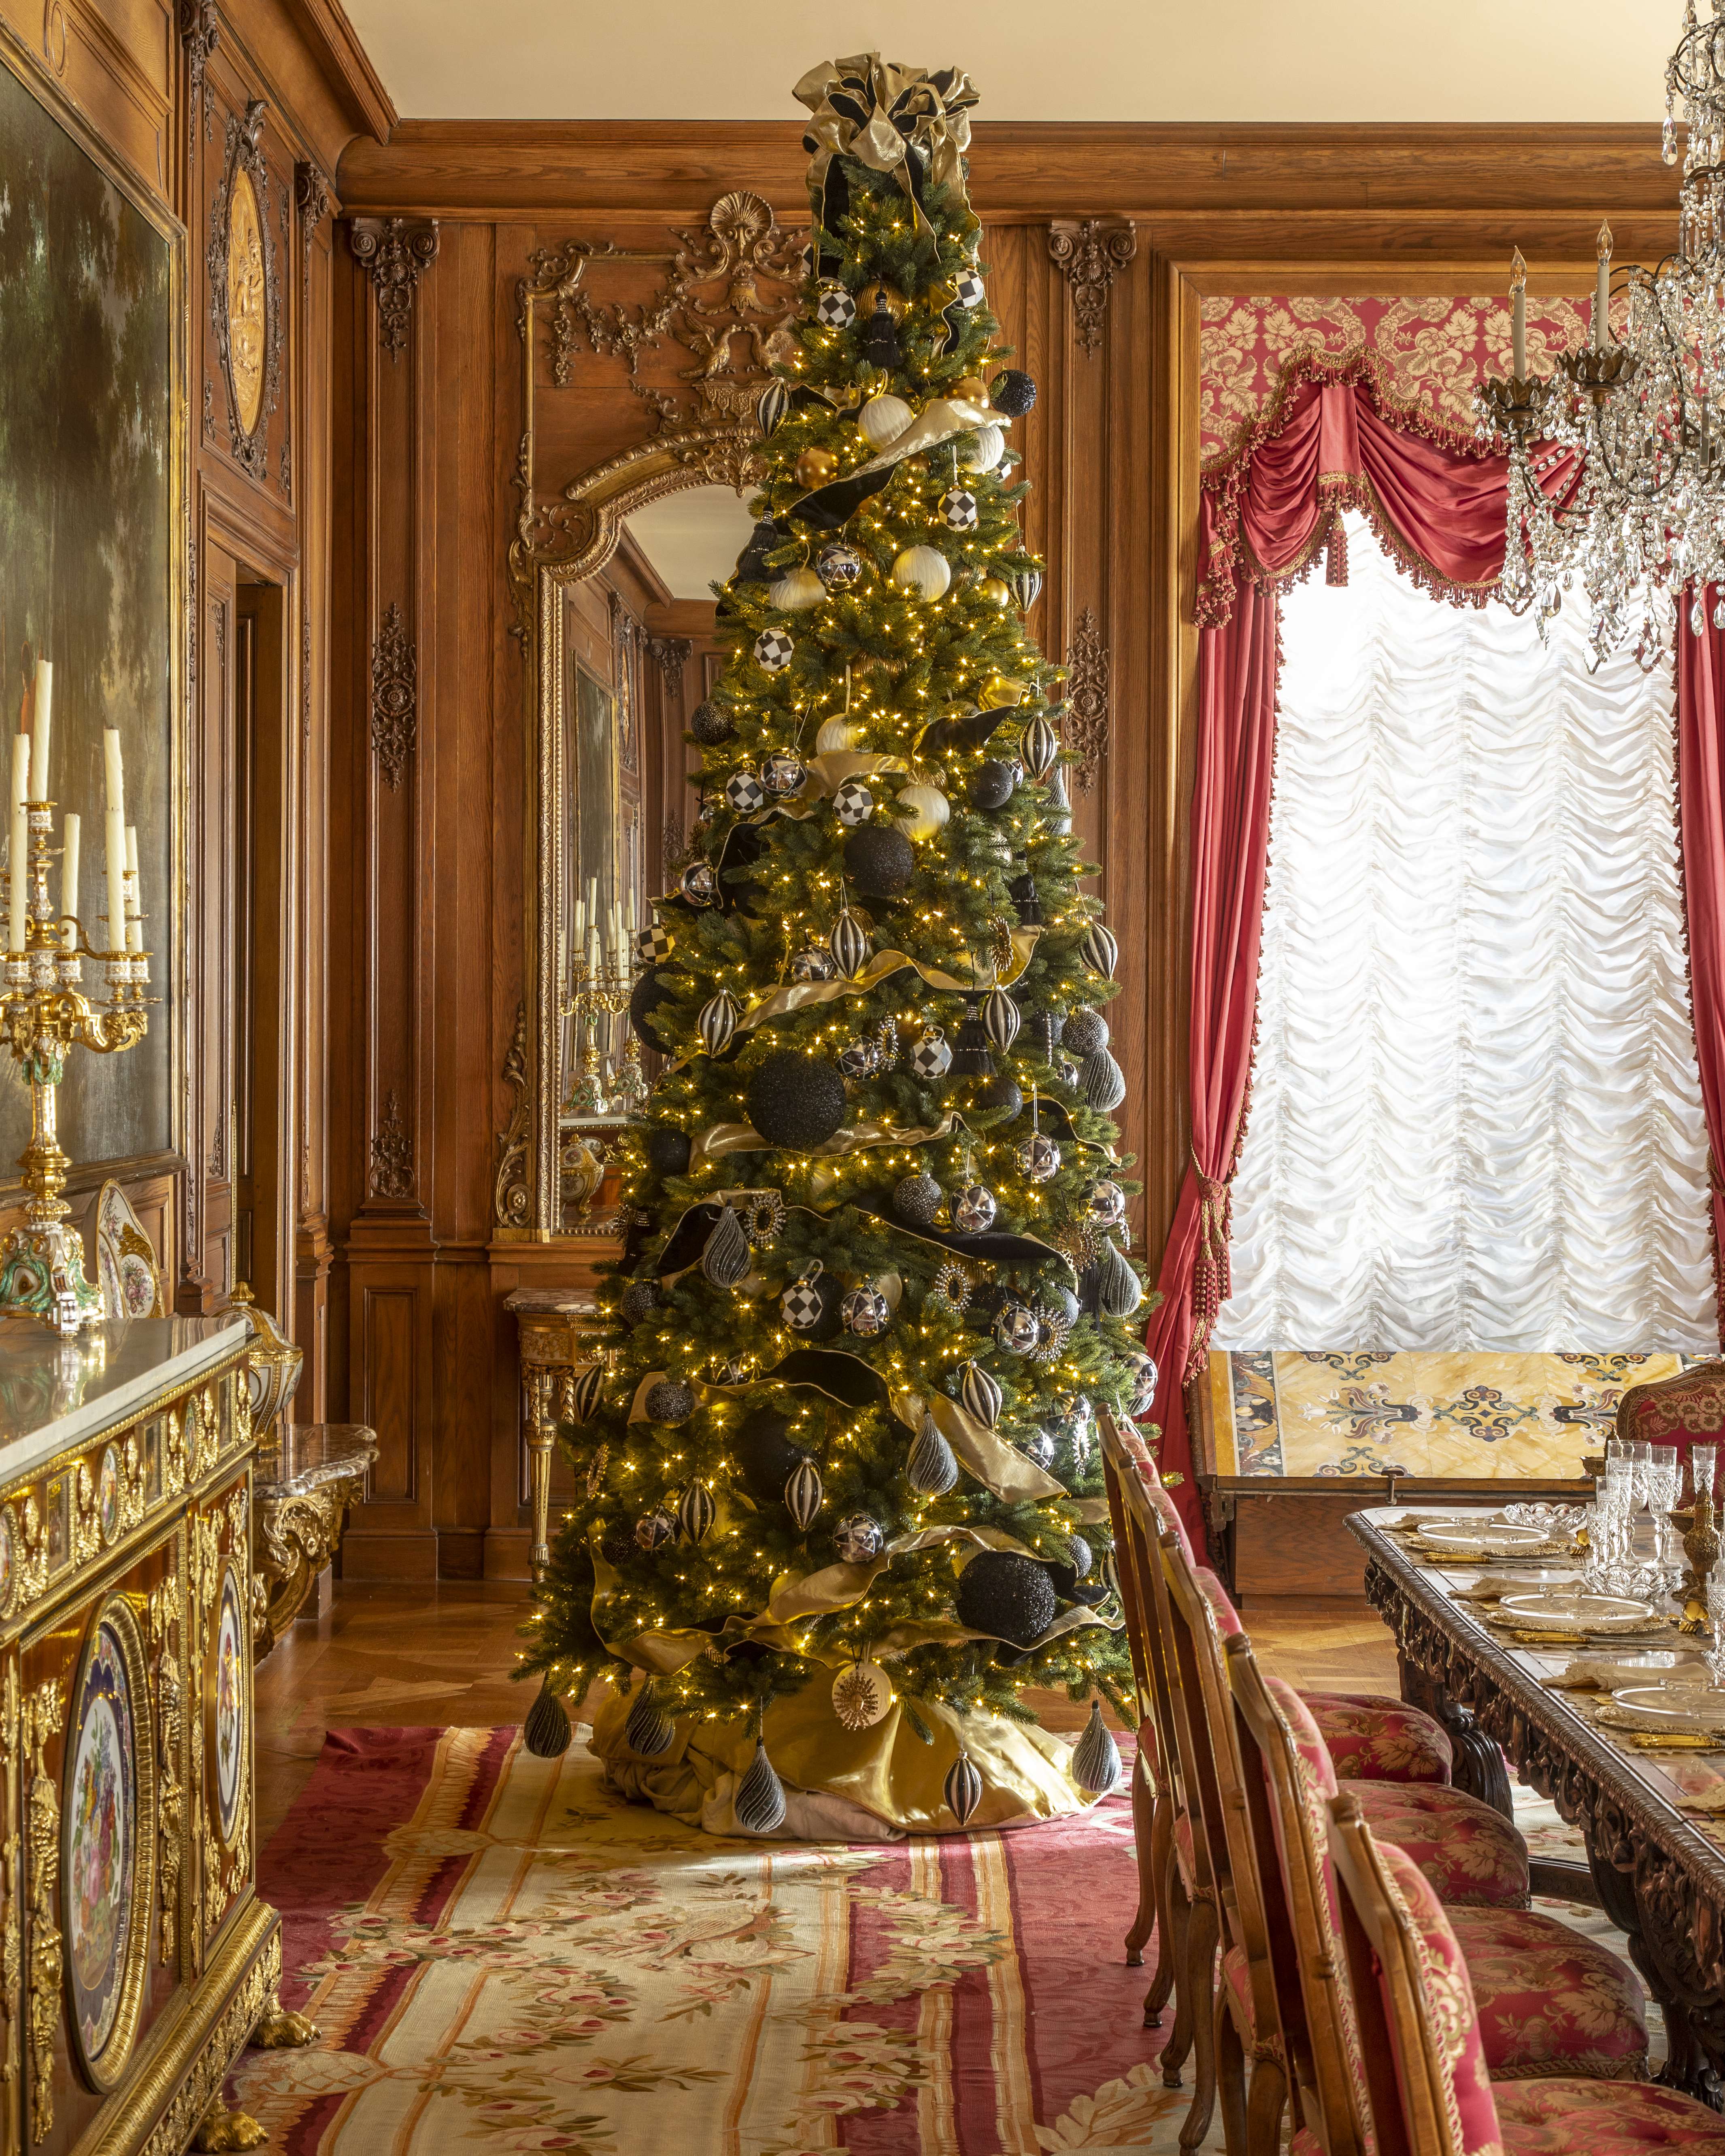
pixel 1616 477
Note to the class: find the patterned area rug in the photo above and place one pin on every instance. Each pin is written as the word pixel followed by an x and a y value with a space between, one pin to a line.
pixel 502 1956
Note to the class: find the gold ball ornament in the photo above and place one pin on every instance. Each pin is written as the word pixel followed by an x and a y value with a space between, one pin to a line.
pixel 971 388
pixel 998 691
pixel 924 571
pixel 815 467
pixel 992 588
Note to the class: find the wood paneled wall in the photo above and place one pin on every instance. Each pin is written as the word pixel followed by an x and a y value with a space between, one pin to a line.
pixel 1099 242
pixel 168 87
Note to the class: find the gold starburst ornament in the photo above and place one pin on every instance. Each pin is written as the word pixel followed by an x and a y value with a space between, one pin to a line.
pixel 861 1696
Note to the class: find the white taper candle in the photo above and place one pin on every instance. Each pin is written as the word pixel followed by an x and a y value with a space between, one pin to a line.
pixel 20 885
pixel 40 711
pixel 69 880
pixel 134 893
pixel 115 821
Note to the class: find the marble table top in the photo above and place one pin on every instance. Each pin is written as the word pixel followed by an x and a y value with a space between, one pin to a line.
pixel 306 1456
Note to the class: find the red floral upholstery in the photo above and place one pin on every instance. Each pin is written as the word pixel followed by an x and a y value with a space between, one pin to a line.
pixel 1471 1853
pixel 1550 2001
pixel 1374 1739
pixel 1604 2118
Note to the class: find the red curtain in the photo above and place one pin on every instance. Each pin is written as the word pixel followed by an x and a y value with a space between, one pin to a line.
pixel 1701 823
pixel 1335 436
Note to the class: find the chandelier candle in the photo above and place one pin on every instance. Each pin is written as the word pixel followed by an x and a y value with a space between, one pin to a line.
pixel 20 843
pixel 41 706
pixel 1602 290
pixel 115 773
pixel 72 827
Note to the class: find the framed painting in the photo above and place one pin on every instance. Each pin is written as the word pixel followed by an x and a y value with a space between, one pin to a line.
pixel 92 554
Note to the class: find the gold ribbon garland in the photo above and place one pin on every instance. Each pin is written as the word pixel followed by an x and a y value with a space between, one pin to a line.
pixel 892 118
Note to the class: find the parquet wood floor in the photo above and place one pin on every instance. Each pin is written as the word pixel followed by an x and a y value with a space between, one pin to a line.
pixel 415 1655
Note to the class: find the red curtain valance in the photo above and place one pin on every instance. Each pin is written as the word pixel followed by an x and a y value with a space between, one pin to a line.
pixel 1335 437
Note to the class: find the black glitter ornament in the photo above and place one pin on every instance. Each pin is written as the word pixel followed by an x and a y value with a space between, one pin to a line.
pixel 1012 392
pixel 992 784
pixel 670 1400
pixel 618 1544
pixel 639 1300
pixel 917 1200
pixel 645 998
pixel 1007 1596
pixel 795 1100
pixel 712 724
pixel 879 861
pixel 1086 1030
pixel 1066 1575
pixel 667 1149
pixel 999 1097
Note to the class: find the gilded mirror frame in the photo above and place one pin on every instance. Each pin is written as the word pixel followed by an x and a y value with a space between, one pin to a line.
pixel 721 294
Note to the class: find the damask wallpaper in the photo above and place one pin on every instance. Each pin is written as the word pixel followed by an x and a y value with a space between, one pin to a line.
pixel 1435 349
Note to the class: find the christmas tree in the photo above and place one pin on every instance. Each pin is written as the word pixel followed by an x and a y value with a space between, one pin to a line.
pixel 843 1496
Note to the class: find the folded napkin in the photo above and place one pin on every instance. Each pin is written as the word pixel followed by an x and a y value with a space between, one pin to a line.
pixel 1710 1800
pixel 1493 1586
pixel 1588 1673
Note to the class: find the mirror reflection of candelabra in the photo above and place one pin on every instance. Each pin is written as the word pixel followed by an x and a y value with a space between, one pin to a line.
pixel 593 992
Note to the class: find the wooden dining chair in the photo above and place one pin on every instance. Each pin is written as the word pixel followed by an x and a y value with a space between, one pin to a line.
pixel 1424 2081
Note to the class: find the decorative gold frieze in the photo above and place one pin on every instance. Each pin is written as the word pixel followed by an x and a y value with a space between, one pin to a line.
pixel 165 1645
pixel 42 1717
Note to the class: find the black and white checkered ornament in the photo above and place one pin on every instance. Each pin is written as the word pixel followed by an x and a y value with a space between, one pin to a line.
pixel 773 650
pixel 838 565
pixel 783 776
pixel 854 802
pixel 812 963
pixel 850 943
pixel 859 1539
pixel 969 289
pixel 931 1056
pixel 652 945
pixel 835 306
pixel 745 792
pixel 866 1312
pixel 1040 1156
pixel 802 1304
pixel 973 1209
pixel 1017 1328
pixel 699 884
pixel 956 509
pixel 717 1022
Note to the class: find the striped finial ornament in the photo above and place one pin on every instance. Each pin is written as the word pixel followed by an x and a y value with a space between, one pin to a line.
pixel 1095 1757
pixel 1038 748
pixel 805 1493
pixel 696 1512
pixel 584 1393
pixel 759 1803
pixel 727 1257
pixel 718 1022
pixel 649 1731
pixel 979 1395
pixel 849 944
pixel 930 1467
pixel 1099 951
pixel 963 1789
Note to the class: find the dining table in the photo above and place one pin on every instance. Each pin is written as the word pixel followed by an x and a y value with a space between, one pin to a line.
pixel 1650 1806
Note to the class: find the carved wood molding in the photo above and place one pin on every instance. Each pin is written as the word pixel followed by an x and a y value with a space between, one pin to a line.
pixel 395 252
pixel 1088 254
pixel 392 1153
pixel 1086 726
pixel 395 697
pixel 200 34
pixel 511 1196
pixel 312 198
pixel 231 284
pixel 670 654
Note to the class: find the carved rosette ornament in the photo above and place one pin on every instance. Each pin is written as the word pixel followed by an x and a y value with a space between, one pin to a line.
pixel 246 297
pixel 395 714
pixel 395 252
pixel 1086 727
pixel 1089 255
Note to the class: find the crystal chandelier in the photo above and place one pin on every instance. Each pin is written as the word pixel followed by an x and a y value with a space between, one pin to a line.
pixel 1616 479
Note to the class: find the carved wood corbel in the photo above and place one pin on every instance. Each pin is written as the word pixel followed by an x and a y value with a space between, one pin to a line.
pixel 395 252
pixel 1089 255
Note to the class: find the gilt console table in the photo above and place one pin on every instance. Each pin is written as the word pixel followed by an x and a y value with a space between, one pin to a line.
pixel 1655 1847
pixel 136 1958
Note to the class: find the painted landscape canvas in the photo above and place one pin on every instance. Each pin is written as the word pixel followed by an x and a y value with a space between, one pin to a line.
pixel 86 517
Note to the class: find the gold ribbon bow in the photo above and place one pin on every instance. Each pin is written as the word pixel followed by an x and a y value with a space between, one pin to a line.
pixel 890 118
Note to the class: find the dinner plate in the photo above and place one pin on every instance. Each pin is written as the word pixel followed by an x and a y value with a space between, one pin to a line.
pixel 1573 1610
pixel 1669 1706
pixel 1491 1537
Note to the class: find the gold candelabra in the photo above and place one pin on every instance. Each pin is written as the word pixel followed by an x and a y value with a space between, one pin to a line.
pixel 595 990
pixel 44 1013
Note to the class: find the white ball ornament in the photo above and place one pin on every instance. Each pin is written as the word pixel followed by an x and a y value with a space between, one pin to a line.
pixel 837 735
pixel 929 810
pixel 924 571
pixel 796 590
pixel 883 419
pixel 984 451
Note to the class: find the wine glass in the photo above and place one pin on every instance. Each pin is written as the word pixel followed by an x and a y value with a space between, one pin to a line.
pixel 1703 1465
pixel 1664 1477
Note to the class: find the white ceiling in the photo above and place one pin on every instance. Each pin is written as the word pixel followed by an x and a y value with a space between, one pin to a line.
pixel 1031 59
pixel 692 538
